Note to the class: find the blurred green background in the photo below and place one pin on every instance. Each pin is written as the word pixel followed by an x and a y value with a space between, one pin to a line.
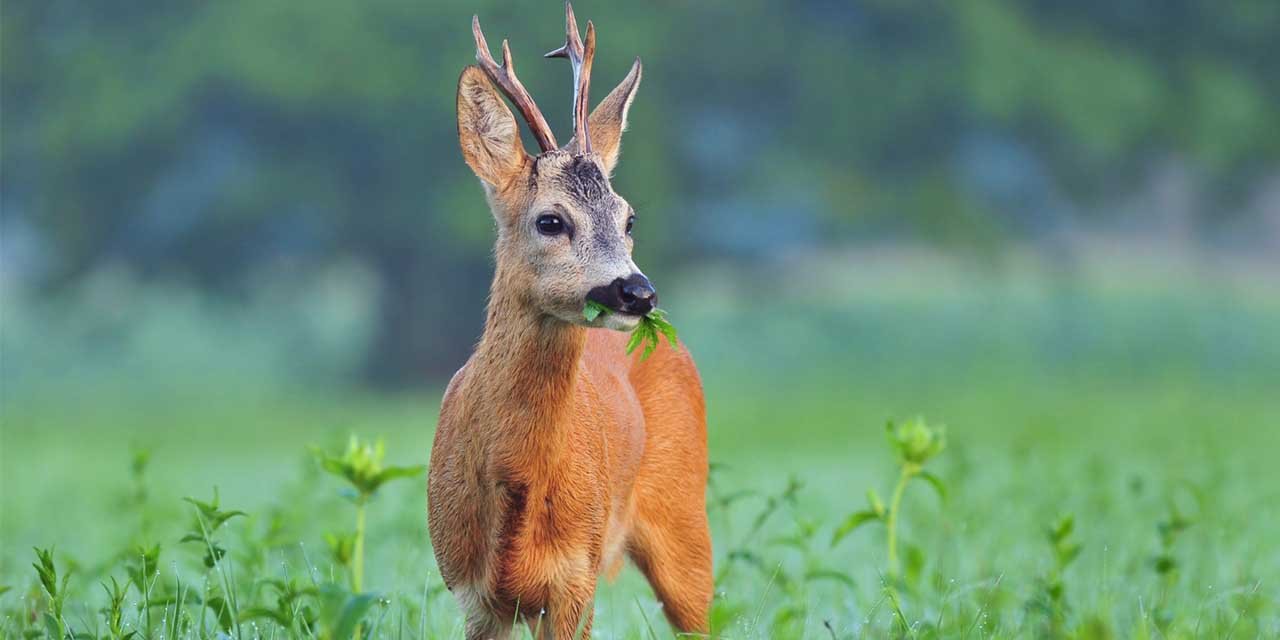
pixel 231 229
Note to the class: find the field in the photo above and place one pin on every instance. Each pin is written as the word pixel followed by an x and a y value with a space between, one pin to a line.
pixel 1144 414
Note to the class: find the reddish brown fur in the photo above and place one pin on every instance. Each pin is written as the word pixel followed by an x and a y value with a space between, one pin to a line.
pixel 542 457
pixel 556 453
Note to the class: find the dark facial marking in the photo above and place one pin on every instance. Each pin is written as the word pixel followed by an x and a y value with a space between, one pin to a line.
pixel 604 229
pixel 583 181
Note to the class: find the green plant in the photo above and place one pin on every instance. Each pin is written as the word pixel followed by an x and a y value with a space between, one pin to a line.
pixel 1050 595
pixel 341 612
pixel 794 586
pixel 288 610
pixel 649 332
pixel 742 552
pixel 142 568
pixel 209 518
pixel 54 622
pixel 1165 563
pixel 113 612
pixel 914 443
pixel 361 467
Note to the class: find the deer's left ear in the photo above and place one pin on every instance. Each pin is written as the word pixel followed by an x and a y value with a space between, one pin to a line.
pixel 609 119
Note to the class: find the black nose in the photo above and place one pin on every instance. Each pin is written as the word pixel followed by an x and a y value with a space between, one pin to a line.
pixel 633 295
pixel 638 295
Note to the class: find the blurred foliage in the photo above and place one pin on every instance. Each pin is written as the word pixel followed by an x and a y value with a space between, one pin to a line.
pixel 208 141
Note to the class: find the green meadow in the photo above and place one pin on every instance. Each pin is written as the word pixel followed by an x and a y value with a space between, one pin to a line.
pixel 1109 471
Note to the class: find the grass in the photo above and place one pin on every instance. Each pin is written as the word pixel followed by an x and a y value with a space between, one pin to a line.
pixel 1108 474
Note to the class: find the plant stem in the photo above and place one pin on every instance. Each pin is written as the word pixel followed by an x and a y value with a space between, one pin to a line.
pixel 357 560
pixel 891 525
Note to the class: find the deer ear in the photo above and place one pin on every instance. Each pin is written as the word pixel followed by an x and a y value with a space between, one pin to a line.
pixel 609 119
pixel 487 132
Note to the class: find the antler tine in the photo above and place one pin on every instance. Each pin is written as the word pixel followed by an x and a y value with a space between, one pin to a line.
pixel 505 77
pixel 580 57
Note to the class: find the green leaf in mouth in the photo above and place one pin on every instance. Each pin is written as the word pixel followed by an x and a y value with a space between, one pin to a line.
pixel 653 326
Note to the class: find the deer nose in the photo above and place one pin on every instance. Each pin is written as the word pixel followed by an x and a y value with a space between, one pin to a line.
pixel 632 295
pixel 637 295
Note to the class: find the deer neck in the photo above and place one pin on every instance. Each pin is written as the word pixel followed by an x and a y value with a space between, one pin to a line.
pixel 526 364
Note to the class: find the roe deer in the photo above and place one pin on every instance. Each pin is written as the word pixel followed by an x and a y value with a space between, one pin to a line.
pixel 555 451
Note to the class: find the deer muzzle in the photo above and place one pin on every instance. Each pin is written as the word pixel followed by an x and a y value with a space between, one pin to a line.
pixel 632 295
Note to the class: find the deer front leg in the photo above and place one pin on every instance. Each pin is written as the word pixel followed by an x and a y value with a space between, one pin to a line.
pixel 675 555
pixel 486 624
pixel 569 613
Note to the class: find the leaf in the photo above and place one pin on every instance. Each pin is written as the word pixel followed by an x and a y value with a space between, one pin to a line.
pixel 594 310
pixel 798 542
pixel 747 557
pixel 334 466
pixel 52 626
pixel 215 554
pixel 855 520
pixel 1067 554
pixel 649 348
pixel 255 613
pixel 877 505
pixel 653 326
pixel 47 571
pixel 224 516
pixel 343 611
pixel 392 473
pixel 1061 529
pixel 727 500
pixel 361 467
pixel 341 547
pixel 658 318
pixel 210 514
pixel 913 563
pixel 637 337
pixel 934 481
pixel 785 616
pixel 827 574
pixel 142 568
pixel 792 490
pixel 222 609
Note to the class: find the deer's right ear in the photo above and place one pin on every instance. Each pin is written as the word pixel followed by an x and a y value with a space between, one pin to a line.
pixel 487 132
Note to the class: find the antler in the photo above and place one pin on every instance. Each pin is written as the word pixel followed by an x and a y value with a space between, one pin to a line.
pixel 580 57
pixel 505 77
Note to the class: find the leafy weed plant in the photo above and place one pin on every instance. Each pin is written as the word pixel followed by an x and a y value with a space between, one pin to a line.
pixel 653 326
pixel 56 591
pixel 362 468
pixel 250 577
pixel 1050 596
pixel 914 443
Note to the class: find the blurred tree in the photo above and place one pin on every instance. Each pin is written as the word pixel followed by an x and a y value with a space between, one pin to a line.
pixel 206 140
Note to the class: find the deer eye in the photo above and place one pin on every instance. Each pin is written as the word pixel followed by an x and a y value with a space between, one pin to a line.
pixel 549 224
pixel 631 222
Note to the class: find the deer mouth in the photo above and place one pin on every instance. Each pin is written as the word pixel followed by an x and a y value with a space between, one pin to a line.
pixel 620 321
pixel 630 296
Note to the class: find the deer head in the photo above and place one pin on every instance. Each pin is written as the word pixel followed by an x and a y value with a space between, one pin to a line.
pixel 564 235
